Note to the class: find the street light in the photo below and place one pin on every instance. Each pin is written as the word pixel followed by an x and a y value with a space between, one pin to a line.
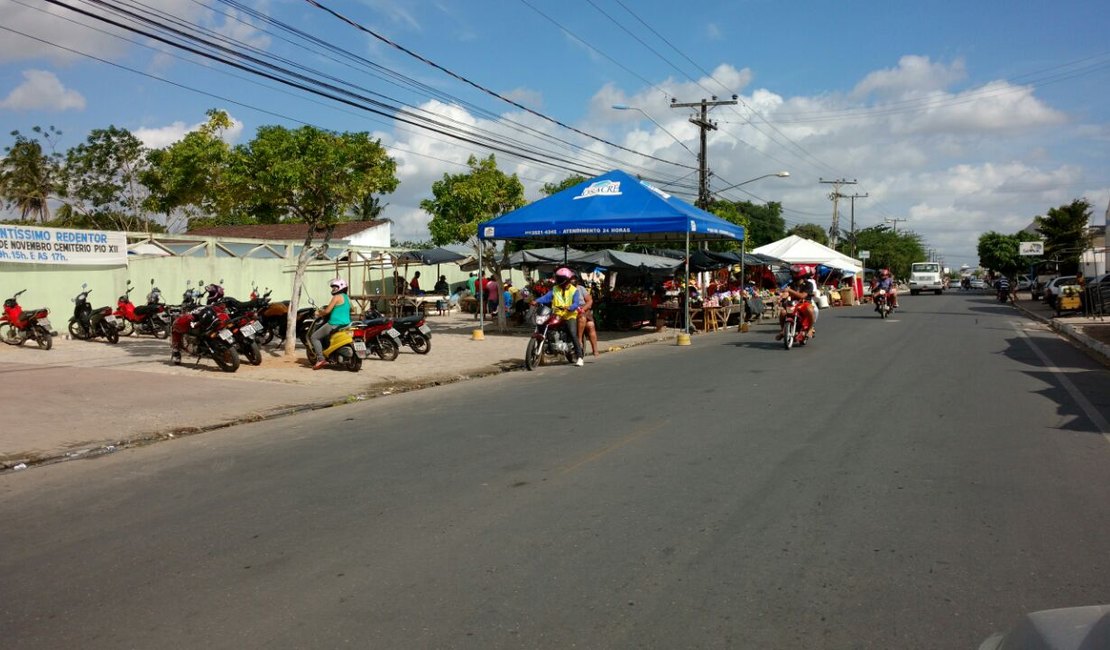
pixel 626 107
pixel 779 174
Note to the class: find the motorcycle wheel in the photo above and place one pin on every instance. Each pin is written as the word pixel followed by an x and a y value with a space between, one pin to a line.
pixel 387 348
pixel 882 312
pixel 227 359
pixel 266 336
pixel 126 327
pixel 9 334
pixel 110 332
pixel 254 354
pixel 420 344
pixel 354 363
pixel 161 328
pixel 77 331
pixel 43 338
pixel 533 354
pixel 788 338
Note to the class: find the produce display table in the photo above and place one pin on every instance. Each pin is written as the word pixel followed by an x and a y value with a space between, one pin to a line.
pixel 624 317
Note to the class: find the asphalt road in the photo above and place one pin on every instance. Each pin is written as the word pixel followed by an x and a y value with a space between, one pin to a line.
pixel 913 483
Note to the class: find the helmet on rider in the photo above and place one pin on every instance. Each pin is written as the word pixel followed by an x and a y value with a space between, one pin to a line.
pixel 338 285
pixel 215 292
pixel 801 271
pixel 563 275
pixel 884 273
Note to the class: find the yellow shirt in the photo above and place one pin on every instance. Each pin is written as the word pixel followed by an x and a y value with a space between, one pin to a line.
pixel 562 299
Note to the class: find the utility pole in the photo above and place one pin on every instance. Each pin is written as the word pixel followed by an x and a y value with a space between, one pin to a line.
pixel 701 120
pixel 834 230
pixel 895 222
pixel 853 197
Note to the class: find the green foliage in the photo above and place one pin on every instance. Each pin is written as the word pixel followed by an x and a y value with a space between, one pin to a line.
pixel 410 245
pixel 190 177
pixel 101 181
pixel 1065 233
pixel 999 252
pixel 765 222
pixel 569 181
pixel 29 175
pixel 730 212
pixel 367 208
pixel 889 249
pixel 462 201
pixel 811 231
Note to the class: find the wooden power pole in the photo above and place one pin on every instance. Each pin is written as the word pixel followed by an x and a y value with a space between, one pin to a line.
pixel 701 120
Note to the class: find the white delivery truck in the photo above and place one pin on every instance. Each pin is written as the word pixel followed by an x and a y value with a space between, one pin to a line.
pixel 926 276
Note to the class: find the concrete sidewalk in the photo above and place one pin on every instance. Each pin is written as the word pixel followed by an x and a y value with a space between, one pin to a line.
pixel 82 398
pixel 1090 333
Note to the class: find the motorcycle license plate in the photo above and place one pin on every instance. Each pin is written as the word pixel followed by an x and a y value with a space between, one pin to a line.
pixel 247 330
pixel 226 335
pixel 393 332
pixel 257 326
pixel 360 349
pixel 110 319
pixel 424 329
pixel 45 323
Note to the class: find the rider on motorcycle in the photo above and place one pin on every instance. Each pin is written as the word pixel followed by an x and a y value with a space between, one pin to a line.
pixel 338 312
pixel 800 289
pixel 886 281
pixel 565 302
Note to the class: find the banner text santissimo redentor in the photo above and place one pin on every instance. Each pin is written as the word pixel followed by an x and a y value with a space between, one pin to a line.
pixel 41 245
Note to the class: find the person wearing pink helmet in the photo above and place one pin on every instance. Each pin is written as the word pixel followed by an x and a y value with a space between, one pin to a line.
pixel 338 312
pixel 886 281
pixel 800 289
pixel 566 304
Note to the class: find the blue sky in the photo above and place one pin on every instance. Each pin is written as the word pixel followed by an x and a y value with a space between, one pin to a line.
pixel 961 117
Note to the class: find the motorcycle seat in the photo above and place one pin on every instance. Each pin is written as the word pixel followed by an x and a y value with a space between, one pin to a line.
pixel 144 310
pixel 407 320
pixel 371 322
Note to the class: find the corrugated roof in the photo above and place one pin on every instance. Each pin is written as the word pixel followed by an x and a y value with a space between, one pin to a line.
pixel 286 231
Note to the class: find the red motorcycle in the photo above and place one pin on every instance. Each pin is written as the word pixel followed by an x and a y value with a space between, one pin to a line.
pixel 376 335
pixel 549 339
pixel 797 322
pixel 150 318
pixel 882 302
pixel 18 324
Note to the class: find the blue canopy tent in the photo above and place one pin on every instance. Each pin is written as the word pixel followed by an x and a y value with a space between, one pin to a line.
pixel 615 207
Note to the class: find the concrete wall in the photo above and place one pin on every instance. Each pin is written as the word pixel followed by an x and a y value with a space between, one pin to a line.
pixel 53 286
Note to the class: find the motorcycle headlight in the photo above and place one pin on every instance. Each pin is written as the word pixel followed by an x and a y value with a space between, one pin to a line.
pixel 540 318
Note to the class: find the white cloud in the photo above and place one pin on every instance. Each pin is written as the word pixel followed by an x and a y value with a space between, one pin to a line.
pixel 41 90
pixel 394 12
pixel 914 74
pixel 526 97
pixel 163 136
pixel 713 32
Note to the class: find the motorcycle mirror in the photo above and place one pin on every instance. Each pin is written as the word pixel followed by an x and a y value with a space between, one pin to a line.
pixel 84 285
pixel 152 282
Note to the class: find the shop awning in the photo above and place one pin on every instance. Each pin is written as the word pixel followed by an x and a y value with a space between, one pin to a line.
pixel 430 256
pixel 624 261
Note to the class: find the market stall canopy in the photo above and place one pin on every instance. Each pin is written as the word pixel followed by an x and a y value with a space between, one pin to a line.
pixel 799 250
pixel 626 261
pixel 717 260
pixel 441 255
pixel 613 207
pixel 542 256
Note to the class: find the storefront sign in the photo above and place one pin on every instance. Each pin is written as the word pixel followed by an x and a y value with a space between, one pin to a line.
pixel 1031 248
pixel 38 245
pixel 865 255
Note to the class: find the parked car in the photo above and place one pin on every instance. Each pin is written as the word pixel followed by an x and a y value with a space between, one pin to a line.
pixel 976 283
pixel 1040 281
pixel 1052 289
pixel 1024 283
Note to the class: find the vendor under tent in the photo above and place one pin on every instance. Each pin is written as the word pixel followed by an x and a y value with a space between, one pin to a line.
pixel 799 250
pixel 615 207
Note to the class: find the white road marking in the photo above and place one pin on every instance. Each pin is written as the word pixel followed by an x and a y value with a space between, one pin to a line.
pixel 1089 409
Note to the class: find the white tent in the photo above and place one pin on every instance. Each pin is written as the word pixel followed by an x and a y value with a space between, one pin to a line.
pixel 799 250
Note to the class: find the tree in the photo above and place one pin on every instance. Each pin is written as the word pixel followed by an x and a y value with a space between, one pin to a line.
pixel 461 201
pixel 101 181
pixel 190 178
pixel 811 231
pixel 1065 233
pixel 310 176
pixel 569 181
pixel 728 211
pixel 999 252
pixel 893 250
pixel 765 222
pixel 29 175
pixel 367 208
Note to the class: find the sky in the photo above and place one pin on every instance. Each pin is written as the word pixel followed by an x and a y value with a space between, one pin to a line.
pixel 957 117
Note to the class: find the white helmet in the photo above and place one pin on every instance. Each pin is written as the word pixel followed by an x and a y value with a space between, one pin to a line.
pixel 338 285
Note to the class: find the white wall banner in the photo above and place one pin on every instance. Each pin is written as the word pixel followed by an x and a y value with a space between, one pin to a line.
pixel 1031 248
pixel 39 245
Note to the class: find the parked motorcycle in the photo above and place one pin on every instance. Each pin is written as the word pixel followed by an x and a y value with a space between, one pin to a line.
pixel 414 332
pixel 209 337
pixel 379 336
pixel 150 318
pixel 18 324
pixel 797 323
pixel 244 326
pixel 549 339
pixel 88 323
pixel 882 303
pixel 341 351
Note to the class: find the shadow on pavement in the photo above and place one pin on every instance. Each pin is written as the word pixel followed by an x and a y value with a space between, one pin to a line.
pixel 1086 381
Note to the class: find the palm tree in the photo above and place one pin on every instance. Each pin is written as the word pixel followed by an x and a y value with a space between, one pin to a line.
pixel 28 177
pixel 1065 232
pixel 368 208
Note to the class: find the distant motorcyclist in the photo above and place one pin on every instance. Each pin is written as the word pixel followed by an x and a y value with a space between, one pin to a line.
pixel 886 283
pixel 338 312
pixel 1002 285
pixel 564 301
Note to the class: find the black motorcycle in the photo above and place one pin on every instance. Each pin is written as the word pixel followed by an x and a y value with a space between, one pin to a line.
pixel 88 323
pixel 412 331
pixel 209 337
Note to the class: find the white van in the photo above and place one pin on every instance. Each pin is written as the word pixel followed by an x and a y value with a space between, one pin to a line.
pixel 926 276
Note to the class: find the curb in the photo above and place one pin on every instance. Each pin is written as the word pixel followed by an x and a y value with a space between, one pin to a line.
pixel 1095 349
pixel 19 462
